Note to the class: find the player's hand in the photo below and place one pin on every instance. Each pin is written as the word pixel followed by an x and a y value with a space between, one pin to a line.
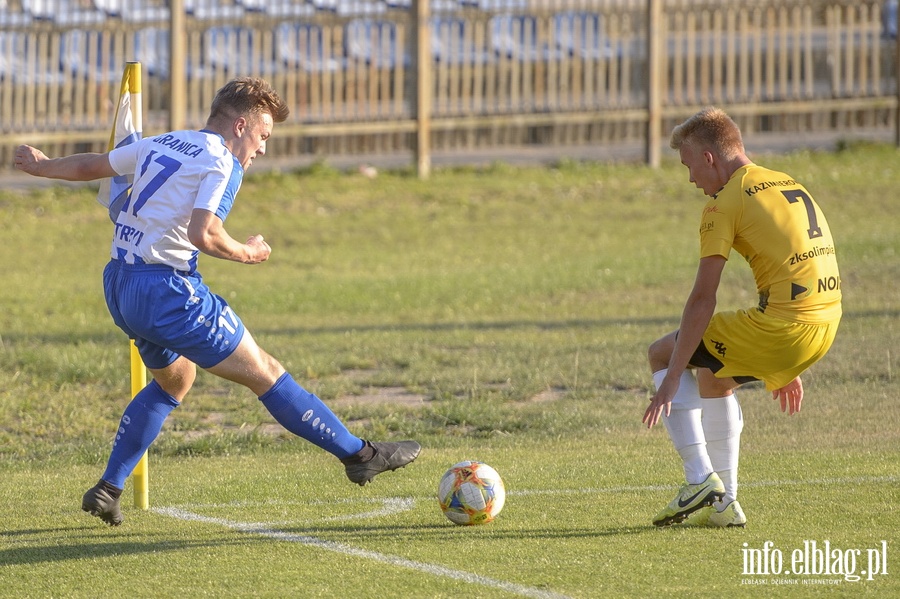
pixel 27 159
pixel 257 250
pixel 660 402
pixel 791 396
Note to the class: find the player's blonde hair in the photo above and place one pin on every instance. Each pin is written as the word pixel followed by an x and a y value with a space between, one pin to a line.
pixel 247 96
pixel 709 129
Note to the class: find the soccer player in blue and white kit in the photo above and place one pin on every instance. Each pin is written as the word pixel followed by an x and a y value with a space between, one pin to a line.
pixel 185 183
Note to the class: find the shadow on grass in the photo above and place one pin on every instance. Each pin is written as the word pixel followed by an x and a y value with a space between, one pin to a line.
pixel 61 544
pixel 112 337
pixel 500 325
pixel 430 532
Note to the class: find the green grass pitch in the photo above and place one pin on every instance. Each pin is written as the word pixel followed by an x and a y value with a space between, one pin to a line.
pixel 498 314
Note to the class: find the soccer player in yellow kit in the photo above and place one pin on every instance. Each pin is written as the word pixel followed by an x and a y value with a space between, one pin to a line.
pixel 773 222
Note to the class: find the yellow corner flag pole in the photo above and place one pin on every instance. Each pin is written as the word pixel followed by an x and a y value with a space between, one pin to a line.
pixel 113 193
pixel 140 476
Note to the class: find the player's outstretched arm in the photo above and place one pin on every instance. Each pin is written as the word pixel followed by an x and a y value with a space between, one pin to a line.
pixel 77 167
pixel 698 311
pixel 207 232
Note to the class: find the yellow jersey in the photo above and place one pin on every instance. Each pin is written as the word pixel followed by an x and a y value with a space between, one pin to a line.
pixel 774 223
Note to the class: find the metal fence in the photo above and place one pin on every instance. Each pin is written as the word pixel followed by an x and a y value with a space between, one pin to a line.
pixel 395 76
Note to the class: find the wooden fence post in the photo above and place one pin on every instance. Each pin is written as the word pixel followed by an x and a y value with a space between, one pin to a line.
pixel 177 70
pixel 424 83
pixel 897 88
pixel 655 57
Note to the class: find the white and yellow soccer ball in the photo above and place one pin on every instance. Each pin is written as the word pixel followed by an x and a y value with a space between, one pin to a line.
pixel 471 493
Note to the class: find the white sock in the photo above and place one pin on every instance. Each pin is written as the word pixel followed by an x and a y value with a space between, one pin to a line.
pixel 722 425
pixel 685 428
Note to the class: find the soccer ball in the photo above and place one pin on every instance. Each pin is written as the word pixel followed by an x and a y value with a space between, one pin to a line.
pixel 471 493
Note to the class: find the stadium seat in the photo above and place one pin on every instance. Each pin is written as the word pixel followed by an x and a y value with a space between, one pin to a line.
pixel 374 43
pixel 21 63
pixel 351 8
pixel 84 53
pixel 231 48
pixel 516 37
pixel 445 6
pixel 436 5
pixel 496 5
pixel 453 41
pixel 324 5
pixel 14 18
pixel 151 48
pixel 63 12
pixel 301 45
pixel 359 8
pixel 581 34
pixel 90 54
pixel 133 10
pixel 256 5
pixel 10 54
pixel 214 10
pixel 111 7
pixel 289 9
pixel 889 19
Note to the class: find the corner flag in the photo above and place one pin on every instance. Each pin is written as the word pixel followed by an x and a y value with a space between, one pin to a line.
pixel 113 194
pixel 126 129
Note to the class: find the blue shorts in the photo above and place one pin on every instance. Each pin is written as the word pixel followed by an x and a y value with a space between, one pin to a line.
pixel 170 313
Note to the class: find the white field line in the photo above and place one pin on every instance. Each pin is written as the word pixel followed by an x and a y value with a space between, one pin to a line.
pixel 393 560
pixel 394 505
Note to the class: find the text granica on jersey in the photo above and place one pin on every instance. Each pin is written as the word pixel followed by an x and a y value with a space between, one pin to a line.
pixel 181 146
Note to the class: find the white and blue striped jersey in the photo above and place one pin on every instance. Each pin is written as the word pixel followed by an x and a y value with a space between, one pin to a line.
pixel 174 173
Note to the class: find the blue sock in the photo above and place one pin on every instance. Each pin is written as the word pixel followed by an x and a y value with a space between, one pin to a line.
pixel 304 414
pixel 140 425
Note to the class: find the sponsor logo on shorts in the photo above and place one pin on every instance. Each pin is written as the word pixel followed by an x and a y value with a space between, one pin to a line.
pixel 720 347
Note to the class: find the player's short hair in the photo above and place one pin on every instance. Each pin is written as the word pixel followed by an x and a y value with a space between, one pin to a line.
pixel 248 96
pixel 709 129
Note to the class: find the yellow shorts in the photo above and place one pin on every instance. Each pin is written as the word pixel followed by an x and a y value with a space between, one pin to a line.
pixel 748 345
